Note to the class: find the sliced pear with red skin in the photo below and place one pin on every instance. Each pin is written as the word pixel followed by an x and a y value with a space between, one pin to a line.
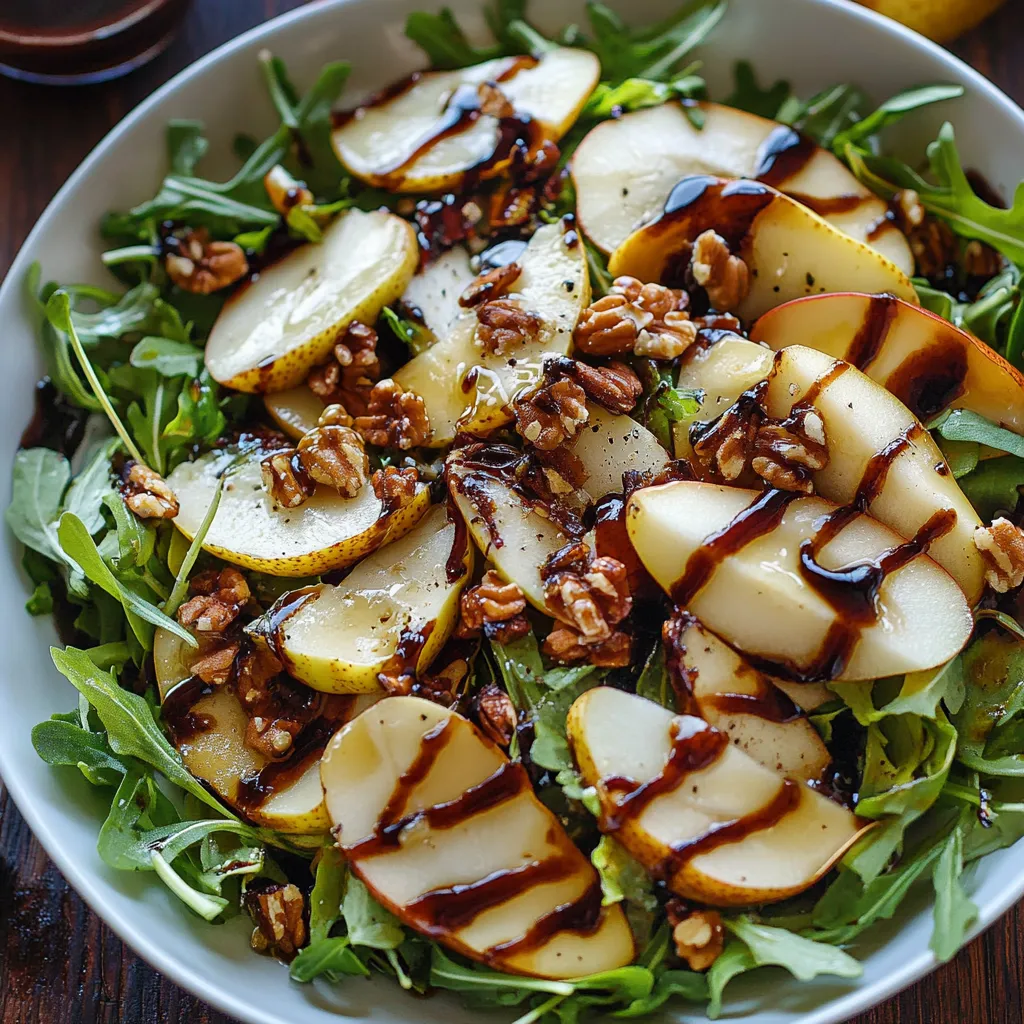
pixel 251 530
pixel 464 387
pixel 729 832
pixel 296 411
pixel 918 619
pixel 432 296
pixel 880 454
pixel 448 835
pixel 926 362
pixel 789 250
pixel 428 133
pixel 749 706
pixel 625 168
pixel 396 609
pixel 272 331
pixel 212 746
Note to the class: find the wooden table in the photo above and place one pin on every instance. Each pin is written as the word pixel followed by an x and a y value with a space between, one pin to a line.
pixel 58 963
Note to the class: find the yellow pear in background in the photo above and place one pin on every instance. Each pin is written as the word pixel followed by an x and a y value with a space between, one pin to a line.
pixel 941 20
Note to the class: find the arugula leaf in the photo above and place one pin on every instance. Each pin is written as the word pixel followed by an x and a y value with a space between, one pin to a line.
pixel 748 95
pixel 919 693
pixel 328 957
pixel 663 405
pixel 668 985
pixel 638 93
pixel 39 480
pixel 443 41
pixel 954 912
pixel 995 486
pixel 131 729
pixel 168 357
pixel 416 336
pixel 88 490
pixel 895 109
pixel 367 922
pixel 734 960
pixel 622 876
pixel 328 890
pixel 186 145
pixel 59 742
pixel 964 425
pixel 180 589
pixel 208 907
pixel 654 683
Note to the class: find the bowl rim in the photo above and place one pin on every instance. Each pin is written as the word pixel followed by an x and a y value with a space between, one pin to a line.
pixel 92 889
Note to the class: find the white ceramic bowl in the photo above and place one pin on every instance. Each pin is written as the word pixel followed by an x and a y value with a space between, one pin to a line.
pixel 813 43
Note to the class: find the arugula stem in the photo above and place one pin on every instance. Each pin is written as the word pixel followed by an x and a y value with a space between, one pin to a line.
pixel 158 406
pixel 537 1013
pixel 180 587
pixel 58 312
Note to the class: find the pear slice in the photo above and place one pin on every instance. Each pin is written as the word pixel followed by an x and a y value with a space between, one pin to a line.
pixel 879 454
pixel 729 831
pixel 272 331
pixel 608 444
pixel 250 530
pixel 926 362
pixel 465 388
pixel 447 834
pixel 392 613
pixel 296 411
pixel 432 296
pixel 625 168
pixel 748 706
pixel 708 546
pixel 429 133
pixel 789 250
pixel 210 736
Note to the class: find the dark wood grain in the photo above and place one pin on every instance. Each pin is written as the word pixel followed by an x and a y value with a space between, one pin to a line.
pixel 58 963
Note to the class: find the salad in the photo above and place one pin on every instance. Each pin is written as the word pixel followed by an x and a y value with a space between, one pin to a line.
pixel 542 533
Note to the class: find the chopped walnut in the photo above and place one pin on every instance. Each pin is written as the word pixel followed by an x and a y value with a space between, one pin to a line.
pixel 146 493
pixel 394 487
pixel 908 210
pixel 496 714
pixel 493 101
pixel 491 285
pixel 195 264
pixel 394 418
pixel 699 938
pixel 495 608
pixel 286 192
pixel 566 645
pixel 1002 548
pixel 335 457
pixel 257 667
pixel 272 737
pixel 278 911
pixel 219 598
pixel 441 686
pixel 215 666
pixel 610 326
pixel 614 387
pixel 656 299
pixel 668 338
pixel 550 415
pixel 981 260
pixel 505 324
pixel 351 372
pixel 285 478
pixel 725 448
pixel 334 416
pixel 785 454
pixel 935 247
pixel 726 278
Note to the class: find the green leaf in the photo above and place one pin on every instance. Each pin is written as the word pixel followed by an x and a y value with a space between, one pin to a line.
pixel 40 601
pixel 896 108
pixel 748 95
pixel 186 145
pixel 995 486
pixel 954 912
pixel 734 960
pixel 654 683
pixel 803 958
pixel 327 957
pixel 443 41
pixel 85 496
pixel 131 729
pixel 964 425
pixel 446 973
pixel 669 985
pixel 168 357
pixel 622 876
pixel 76 543
pixel 208 907
pixel 180 589
pixel 639 93
pixel 328 889
pixel 60 742
pixel 410 333
pixel 39 480
pixel 368 923
pixel 920 693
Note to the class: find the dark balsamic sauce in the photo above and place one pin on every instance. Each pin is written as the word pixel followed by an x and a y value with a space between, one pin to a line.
pixel 178 714
pixel 769 703
pixel 783 154
pixel 871 335
pixel 431 745
pixel 611 538
pixel 55 423
pixel 702 201
pixel 455 566
pixel 280 614
pixel 931 379
pixel 582 916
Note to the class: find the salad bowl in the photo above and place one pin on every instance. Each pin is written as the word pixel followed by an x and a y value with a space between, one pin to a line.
pixel 810 43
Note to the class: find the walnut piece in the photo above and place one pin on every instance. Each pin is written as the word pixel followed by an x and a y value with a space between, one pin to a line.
pixel 146 493
pixel 496 714
pixel 1002 548
pixel 726 278
pixel 551 414
pixel 493 101
pixel 195 264
pixel 256 668
pixel 785 454
pixel 645 319
pixel 219 598
pixel 981 260
pixel 491 285
pixel 656 299
pixel 699 938
pixel 504 324
pixel 493 607
pixel 286 192
pixel 666 339
pixel 335 456
pixel 285 479
pixel 278 911
pixel 394 487
pixel 215 666
pixel 394 418
pixel 354 367
pixel 610 326
pixel 566 645
pixel 614 387
pixel 723 451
